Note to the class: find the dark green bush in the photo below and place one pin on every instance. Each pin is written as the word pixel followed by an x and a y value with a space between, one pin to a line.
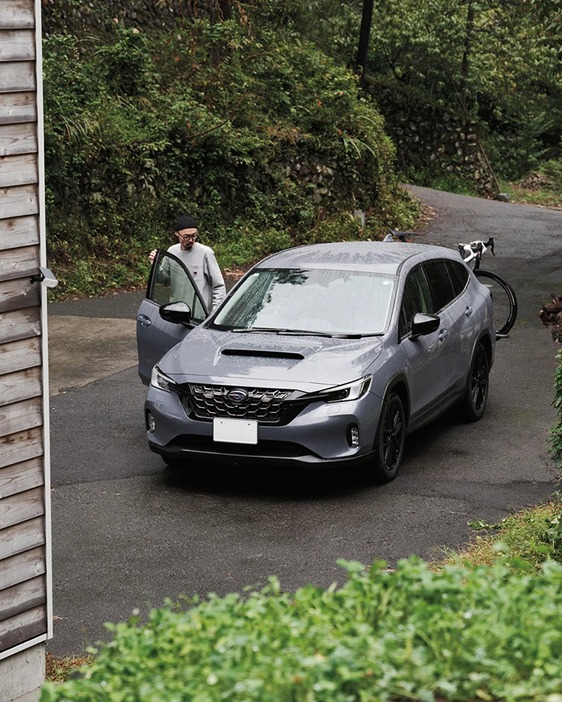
pixel 556 432
pixel 463 633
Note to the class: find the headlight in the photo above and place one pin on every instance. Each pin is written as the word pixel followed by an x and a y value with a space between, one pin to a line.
pixel 349 391
pixel 161 381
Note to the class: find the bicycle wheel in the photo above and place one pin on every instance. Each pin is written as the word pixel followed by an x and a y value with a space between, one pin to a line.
pixel 503 298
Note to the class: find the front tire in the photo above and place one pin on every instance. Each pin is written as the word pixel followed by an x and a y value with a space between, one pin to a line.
pixel 172 461
pixel 476 396
pixel 390 439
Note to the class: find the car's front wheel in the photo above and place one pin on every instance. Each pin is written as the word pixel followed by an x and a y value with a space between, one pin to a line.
pixel 476 394
pixel 171 460
pixel 390 439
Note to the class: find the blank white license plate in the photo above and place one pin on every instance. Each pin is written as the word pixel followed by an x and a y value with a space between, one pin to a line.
pixel 235 431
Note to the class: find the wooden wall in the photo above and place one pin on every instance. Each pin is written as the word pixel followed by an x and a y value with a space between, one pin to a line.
pixel 23 485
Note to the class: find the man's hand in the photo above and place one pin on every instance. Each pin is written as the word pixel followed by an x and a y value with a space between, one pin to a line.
pixel 152 255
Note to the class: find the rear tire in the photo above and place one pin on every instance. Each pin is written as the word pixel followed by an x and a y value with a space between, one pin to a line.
pixel 390 439
pixel 474 401
pixel 504 300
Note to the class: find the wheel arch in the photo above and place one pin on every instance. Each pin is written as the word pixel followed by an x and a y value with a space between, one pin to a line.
pixel 399 386
pixel 488 345
pixel 486 342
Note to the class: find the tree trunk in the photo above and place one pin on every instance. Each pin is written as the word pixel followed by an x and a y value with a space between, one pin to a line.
pixel 464 95
pixel 364 33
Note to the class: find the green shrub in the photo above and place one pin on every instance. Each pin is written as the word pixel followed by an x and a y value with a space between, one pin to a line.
pixel 533 535
pixel 556 432
pixel 462 633
pixel 552 170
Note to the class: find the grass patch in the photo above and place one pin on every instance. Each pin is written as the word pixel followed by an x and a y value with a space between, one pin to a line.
pixel 58 669
pixel 542 187
pixel 532 535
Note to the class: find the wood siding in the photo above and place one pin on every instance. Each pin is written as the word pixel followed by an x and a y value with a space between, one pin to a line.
pixel 23 499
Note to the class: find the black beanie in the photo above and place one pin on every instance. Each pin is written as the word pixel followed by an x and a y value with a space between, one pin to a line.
pixel 185 221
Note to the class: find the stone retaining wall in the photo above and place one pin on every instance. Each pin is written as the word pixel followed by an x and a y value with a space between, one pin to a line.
pixel 78 16
pixel 433 139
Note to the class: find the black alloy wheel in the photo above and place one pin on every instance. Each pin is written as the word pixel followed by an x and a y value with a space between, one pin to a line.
pixel 390 439
pixel 474 402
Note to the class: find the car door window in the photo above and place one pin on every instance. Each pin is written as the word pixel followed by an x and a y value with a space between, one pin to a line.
pixel 442 289
pixel 170 281
pixel 459 275
pixel 416 298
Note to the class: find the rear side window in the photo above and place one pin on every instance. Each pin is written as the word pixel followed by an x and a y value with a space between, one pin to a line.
pixel 443 290
pixel 459 275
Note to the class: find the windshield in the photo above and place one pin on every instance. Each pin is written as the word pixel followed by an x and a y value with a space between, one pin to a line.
pixel 315 300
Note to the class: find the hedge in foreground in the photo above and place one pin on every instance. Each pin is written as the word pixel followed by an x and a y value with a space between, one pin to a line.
pixel 463 633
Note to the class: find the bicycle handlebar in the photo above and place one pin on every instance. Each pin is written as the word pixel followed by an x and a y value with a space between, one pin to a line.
pixel 476 249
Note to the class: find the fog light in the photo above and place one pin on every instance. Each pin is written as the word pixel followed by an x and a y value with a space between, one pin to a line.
pixel 353 436
pixel 150 422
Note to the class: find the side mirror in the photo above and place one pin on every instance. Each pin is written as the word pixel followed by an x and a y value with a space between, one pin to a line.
pixel 424 324
pixel 176 312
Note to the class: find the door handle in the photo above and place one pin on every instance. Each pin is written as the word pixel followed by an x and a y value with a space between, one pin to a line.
pixel 468 311
pixel 443 334
pixel 144 320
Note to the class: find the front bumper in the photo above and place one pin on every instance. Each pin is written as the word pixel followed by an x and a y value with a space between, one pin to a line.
pixel 318 436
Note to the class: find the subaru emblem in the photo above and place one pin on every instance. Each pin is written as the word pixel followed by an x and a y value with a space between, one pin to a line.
pixel 237 396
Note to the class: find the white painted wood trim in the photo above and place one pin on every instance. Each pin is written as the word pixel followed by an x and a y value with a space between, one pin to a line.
pixel 23 646
pixel 44 316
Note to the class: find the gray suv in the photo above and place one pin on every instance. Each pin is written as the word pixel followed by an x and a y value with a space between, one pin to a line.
pixel 326 354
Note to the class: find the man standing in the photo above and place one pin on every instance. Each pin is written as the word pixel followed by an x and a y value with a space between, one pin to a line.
pixel 198 259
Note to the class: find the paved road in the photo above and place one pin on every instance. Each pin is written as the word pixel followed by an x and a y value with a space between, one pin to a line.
pixel 127 533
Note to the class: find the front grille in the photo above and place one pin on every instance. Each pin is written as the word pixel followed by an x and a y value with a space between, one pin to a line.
pixel 268 406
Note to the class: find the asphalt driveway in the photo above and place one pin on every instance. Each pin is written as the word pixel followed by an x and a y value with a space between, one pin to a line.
pixel 128 533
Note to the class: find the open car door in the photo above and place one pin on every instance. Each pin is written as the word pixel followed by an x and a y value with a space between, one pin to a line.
pixel 169 282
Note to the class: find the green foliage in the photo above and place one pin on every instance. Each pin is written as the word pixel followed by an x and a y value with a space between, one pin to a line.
pixel 447 182
pixel 552 172
pixel 533 535
pixel 536 535
pixel 556 432
pixel 460 633
pixel 497 62
pixel 554 536
pixel 254 130
pixel 332 25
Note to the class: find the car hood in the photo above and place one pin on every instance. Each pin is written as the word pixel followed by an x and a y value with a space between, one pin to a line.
pixel 219 357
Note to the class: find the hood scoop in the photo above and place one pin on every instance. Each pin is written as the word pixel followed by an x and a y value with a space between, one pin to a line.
pixel 263 353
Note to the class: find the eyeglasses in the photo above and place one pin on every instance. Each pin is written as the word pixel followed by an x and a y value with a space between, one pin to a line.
pixel 186 237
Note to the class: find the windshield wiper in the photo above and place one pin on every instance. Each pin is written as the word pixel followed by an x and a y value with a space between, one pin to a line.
pixel 330 335
pixel 253 330
pixel 298 332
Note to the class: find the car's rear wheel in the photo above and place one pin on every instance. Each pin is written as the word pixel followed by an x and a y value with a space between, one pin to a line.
pixel 504 301
pixel 476 395
pixel 390 439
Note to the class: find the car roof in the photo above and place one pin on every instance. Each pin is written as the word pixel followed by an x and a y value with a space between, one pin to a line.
pixel 384 257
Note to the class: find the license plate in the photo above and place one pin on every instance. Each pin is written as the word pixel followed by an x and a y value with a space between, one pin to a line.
pixel 235 431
